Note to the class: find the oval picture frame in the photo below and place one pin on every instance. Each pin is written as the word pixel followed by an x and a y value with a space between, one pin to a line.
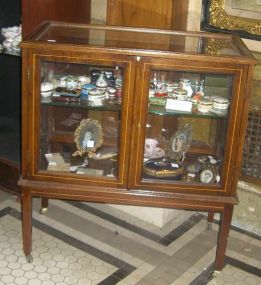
pixel 179 143
pixel 88 137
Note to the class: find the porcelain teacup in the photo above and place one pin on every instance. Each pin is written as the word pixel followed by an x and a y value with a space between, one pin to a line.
pixel 150 146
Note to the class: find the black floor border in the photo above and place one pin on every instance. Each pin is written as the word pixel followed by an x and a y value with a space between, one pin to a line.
pixel 5 211
pixel 243 266
pixel 114 220
pixel 207 275
pixel 124 268
pixel 245 232
pixel 165 240
pixel 181 229
pixel 204 277
pixel 241 231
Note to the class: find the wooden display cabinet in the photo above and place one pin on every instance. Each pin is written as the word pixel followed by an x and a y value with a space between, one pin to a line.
pixel 134 122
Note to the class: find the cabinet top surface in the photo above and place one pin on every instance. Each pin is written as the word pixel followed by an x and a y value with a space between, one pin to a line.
pixel 139 39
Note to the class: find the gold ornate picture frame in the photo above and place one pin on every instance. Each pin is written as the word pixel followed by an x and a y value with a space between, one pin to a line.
pixel 88 137
pixel 232 16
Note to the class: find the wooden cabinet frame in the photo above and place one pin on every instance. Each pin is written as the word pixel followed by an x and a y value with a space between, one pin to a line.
pixel 130 189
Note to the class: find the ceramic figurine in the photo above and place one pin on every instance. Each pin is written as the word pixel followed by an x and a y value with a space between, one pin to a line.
pixel 186 85
pixel 101 81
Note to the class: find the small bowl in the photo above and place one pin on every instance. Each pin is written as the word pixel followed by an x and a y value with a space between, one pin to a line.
pixel 86 88
pixel 204 105
pixel 47 89
pixel 220 103
pixel 82 80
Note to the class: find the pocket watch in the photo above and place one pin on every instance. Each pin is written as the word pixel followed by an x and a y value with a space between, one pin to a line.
pixel 209 169
pixel 209 173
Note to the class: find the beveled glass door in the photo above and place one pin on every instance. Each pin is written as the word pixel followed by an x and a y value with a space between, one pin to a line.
pixel 185 135
pixel 81 132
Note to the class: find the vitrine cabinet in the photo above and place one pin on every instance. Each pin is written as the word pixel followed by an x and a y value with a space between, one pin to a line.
pixel 113 119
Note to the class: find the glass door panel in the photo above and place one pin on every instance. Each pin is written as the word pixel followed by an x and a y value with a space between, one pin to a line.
pixel 80 119
pixel 186 126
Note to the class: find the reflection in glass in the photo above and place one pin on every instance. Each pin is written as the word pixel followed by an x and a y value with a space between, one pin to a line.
pixel 186 126
pixel 80 118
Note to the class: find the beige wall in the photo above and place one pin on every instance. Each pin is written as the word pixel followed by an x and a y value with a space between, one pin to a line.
pixel 194 16
pixel 99 9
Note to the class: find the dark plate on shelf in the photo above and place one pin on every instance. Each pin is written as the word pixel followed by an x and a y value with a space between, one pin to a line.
pixel 162 168
pixel 63 91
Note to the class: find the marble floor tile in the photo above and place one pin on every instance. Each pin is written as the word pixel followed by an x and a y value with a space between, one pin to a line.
pixel 88 243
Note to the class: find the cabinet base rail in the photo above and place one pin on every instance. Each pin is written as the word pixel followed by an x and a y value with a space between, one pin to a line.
pixel 223 234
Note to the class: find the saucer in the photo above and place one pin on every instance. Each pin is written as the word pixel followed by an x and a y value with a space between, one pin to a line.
pixel 157 153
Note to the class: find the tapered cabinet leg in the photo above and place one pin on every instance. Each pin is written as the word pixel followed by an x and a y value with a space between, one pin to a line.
pixel 44 206
pixel 223 234
pixel 210 220
pixel 27 223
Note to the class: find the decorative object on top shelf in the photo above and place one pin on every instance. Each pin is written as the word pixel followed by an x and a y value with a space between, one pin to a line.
pixel 47 89
pixel 188 95
pixel 205 105
pixel 232 16
pixel 185 84
pixel 179 143
pixel 88 137
pixel 101 82
pixel 96 86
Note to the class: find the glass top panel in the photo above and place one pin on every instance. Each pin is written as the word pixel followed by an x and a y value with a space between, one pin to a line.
pixel 137 39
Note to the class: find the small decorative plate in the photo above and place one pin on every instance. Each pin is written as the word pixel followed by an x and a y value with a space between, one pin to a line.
pixel 162 168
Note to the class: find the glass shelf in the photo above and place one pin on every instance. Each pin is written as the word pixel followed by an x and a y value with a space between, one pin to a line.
pixel 160 110
pixel 83 103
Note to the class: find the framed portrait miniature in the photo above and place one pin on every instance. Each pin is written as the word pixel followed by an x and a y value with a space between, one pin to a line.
pixel 88 137
pixel 179 143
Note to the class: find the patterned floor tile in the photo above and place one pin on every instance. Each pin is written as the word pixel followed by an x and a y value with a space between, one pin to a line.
pixel 87 243
pixel 57 257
